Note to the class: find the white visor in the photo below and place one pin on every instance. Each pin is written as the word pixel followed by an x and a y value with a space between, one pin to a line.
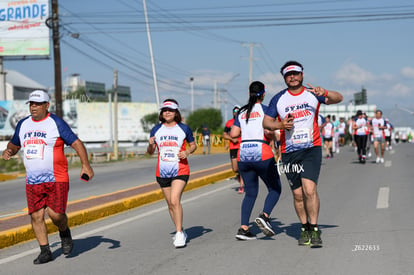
pixel 292 68
pixel 170 105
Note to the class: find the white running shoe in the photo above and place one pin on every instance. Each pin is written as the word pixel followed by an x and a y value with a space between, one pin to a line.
pixel 382 160
pixel 378 160
pixel 369 154
pixel 180 239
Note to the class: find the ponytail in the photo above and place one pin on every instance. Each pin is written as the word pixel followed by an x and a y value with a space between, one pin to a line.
pixel 256 92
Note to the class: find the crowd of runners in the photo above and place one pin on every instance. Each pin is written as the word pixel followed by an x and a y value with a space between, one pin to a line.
pixel 360 131
pixel 289 131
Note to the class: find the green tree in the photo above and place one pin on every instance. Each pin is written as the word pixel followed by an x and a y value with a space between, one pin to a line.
pixel 210 117
pixel 149 121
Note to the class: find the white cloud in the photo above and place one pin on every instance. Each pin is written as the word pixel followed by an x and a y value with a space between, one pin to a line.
pixel 400 89
pixel 352 74
pixel 407 72
pixel 274 83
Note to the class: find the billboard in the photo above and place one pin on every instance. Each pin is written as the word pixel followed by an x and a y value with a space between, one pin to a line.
pixel 10 113
pixel 90 121
pixel 94 121
pixel 23 28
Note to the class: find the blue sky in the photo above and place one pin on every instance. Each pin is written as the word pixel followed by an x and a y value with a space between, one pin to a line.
pixel 373 48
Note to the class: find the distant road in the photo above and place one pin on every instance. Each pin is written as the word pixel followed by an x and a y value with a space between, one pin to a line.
pixel 366 220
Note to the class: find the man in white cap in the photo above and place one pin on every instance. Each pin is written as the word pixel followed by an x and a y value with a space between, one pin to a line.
pixel 42 137
pixel 295 112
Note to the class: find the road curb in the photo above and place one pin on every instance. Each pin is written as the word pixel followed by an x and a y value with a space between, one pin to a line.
pixel 25 233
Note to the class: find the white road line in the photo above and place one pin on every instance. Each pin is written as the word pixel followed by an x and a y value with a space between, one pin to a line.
pixel 12 214
pixel 109 226
pixel 383 198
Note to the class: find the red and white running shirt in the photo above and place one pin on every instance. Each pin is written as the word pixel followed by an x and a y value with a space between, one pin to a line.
pixel 42 143
pixel 170 141
pixel 304 107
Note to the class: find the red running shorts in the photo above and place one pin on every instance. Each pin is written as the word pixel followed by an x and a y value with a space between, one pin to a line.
pixel 47 194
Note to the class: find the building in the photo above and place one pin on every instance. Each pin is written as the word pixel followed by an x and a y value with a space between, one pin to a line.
pixel 94 91
pixel 346 111
pixel 19 86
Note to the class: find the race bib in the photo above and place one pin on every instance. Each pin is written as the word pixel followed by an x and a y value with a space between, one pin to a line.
pixel 169 154
pixel 34 151
pixel 301 136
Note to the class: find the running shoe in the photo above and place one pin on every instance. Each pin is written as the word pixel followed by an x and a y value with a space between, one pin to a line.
pixel 363 159
pixel 315 238
pixel 44 257
pixel 180 239
pixel 185 235
pixel 67 245
pixel 378 160
pixel 382 160
pixel 245 235
pixel 304 238
pixel 263 223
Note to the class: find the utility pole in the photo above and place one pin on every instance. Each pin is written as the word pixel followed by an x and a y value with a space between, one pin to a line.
pixel 154 75
pixel 115 115
pixel 215 95
pixel 56 58
pixel 251 59
pixel 3 92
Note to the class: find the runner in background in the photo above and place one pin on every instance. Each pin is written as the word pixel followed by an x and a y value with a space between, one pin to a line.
pixel 234 146
pixel 335 140
pixel 327 133
pixel 370 138
pixel 341 131
pixel 361 130
pixel 351 131
pixel 377 129
pixel 388 133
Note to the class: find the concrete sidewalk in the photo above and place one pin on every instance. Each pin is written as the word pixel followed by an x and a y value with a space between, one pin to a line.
pixel 16 229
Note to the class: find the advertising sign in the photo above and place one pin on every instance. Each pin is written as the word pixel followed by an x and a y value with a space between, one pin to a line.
pixel 90 121
pixel 94 121
pixel 23 28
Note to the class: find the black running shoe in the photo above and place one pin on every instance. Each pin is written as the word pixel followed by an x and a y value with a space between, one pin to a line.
pixel 67 245
pixel 44 257
pixel 304 238
pixel 263 223
pixel 315 239
pixel 245 235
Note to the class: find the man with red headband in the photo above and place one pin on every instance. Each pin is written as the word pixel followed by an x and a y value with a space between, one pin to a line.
pixel 295 112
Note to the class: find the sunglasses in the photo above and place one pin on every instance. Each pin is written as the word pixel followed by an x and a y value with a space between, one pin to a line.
pixel 168 109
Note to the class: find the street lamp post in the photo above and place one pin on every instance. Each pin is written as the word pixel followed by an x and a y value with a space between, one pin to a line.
pixel 192 93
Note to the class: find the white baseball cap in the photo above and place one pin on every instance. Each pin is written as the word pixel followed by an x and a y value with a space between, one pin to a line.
pixel 38 96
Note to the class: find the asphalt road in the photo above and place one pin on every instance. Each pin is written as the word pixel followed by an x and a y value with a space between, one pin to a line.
pixel 109 177
pixel 366 219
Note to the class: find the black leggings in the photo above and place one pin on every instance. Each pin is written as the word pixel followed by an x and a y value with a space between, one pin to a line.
pixel 361 142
